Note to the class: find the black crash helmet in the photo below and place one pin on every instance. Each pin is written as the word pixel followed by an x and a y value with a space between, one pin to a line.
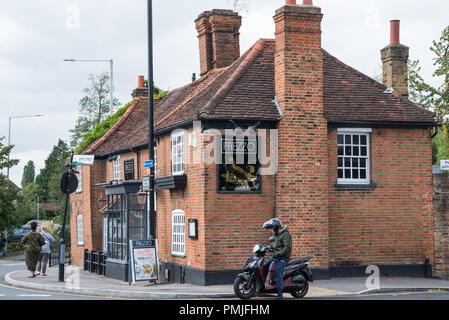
pixel 274 224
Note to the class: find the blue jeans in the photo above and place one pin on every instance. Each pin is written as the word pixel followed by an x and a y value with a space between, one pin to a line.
pixel 280 265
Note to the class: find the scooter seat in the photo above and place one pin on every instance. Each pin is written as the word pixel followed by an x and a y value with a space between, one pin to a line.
pixel 294 261
pixel 298 261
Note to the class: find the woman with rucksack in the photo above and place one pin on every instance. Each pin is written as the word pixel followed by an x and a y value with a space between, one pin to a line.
pixel 33 242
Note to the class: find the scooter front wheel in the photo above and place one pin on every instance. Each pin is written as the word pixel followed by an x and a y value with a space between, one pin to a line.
pixel 300 293
pixel 243 289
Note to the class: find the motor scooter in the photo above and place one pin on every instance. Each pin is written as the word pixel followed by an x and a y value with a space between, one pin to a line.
pixel 296 275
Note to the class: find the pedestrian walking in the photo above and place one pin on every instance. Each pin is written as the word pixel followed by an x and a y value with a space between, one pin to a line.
pixel 33 242
pixel 45 252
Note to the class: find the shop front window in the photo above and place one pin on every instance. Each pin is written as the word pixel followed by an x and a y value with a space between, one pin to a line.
pixel 137 228
pixel 125 220
pixel 117 230
pixel 240 169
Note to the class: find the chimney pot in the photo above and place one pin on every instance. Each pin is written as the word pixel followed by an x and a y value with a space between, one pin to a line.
pixel 141 82
pixel 395 31
pixel 290 2
pixel 308 2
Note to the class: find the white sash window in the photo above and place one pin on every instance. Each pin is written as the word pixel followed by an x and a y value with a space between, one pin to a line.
pixel 353 156
pixel 178 233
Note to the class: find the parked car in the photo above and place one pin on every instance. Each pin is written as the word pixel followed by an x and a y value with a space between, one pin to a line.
pixel 17 234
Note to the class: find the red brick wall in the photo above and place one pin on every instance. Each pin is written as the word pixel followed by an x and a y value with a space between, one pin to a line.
pixel 441 212
pixel 393 223
pixel 190 200
pixel 229 225
pixel 302 179
pixel 88 205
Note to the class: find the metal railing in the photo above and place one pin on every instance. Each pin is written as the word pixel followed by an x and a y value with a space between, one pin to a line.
pixel 95 262
pixel 53 259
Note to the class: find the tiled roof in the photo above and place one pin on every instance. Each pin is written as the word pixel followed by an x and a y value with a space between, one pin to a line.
pixel 349 95
pixel 50 207
pixel 245 90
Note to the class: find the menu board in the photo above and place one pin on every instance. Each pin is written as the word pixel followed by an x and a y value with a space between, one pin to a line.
pixel 143 260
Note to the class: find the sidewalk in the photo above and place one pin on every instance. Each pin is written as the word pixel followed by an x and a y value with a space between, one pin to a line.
pixel 94 285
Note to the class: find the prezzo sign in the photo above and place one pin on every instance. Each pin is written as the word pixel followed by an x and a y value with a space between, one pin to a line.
pixel 240 145
pixel 444 165
pixel 144 262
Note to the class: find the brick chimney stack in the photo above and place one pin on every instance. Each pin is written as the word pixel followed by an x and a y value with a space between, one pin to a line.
pixel 141 90
pixel 394 60
pixel 302 177
pixel 219 38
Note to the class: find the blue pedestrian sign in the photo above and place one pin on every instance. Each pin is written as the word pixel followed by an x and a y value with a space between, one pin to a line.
pixel 149 164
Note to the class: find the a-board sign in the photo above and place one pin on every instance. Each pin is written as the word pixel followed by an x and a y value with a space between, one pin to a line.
pixel 143 260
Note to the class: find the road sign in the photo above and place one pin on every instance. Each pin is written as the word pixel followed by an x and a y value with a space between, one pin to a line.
pixel 146 184
pixel 69 183
pixel 149 164
pixel 83 160
pixel 444 165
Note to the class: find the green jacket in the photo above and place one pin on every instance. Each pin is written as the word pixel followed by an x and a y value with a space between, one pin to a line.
pixel 282 243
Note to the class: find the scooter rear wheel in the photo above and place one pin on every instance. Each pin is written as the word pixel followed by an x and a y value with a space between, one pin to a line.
pixel 300 293
pixel 243 289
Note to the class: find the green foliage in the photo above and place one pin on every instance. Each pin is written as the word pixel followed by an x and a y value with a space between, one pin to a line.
pixel 435 98
pixel 103 127
pixel 28 174
pixel 9 195
pixel 94 106
pixel 49 177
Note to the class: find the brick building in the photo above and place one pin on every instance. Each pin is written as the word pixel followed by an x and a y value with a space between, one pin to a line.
pixel 352 160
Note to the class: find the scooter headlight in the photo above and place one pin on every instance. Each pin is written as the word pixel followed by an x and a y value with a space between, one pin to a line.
pixel 256 248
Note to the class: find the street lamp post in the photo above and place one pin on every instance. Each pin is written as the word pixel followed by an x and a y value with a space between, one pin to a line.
pixel 9 133
pixel 37 214
pixel 151 116
pixel 111 67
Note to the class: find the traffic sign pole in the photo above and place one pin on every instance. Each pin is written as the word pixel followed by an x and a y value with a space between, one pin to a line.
pixel 68 190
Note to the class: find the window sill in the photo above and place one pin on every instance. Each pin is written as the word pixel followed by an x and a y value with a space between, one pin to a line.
pixel 355 186
pixel 239 192
pixel 179 255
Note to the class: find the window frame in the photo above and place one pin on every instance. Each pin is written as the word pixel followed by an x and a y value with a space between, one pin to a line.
pixel 116 169
pixel 178 238
pixel 221 139
pixel 79 231
pixel 174 153
pixel 360 132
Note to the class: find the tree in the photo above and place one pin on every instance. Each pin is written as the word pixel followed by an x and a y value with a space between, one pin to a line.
pixel 52 173
pixel 94 107
pixel 28 174
pixel 435 98
pixel 9 195
pixel 240 5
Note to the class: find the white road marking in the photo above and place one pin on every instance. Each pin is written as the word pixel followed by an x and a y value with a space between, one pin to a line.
pixel 2 295
pixel 34 295
pixel 13 264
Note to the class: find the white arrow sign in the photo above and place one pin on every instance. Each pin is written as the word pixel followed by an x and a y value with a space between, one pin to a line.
pixel 83 160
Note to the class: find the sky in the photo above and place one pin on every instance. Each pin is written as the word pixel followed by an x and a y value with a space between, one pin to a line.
pixel 36 35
